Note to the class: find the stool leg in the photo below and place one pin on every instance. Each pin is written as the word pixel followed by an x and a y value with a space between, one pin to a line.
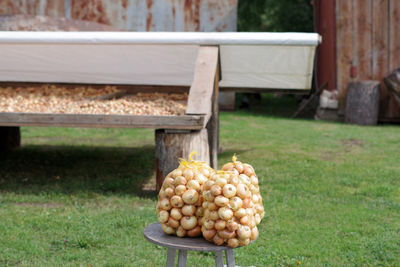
pixel 219 259
pixel 230 258
pixel 171 257
pixel 182 256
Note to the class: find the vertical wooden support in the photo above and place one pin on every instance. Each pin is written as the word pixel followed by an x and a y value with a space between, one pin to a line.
pixel 182 256
pixel 219 259
pixel 10 137
pixel 230 258
pixel 171 257
pixel 172 145
pixel 213 125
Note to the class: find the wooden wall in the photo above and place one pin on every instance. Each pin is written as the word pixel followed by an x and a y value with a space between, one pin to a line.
pixel 368 46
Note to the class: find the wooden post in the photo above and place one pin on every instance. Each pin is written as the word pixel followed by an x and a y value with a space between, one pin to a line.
pixel 213 125
pixel 362 103
pixel 10 137
pixel 172 145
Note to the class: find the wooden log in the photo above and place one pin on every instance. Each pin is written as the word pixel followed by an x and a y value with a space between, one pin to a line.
pixel 10 137
pixel 362 103
pixel 171 146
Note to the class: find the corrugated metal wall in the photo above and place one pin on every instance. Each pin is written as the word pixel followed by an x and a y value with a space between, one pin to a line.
pixel 136 15
pixel 368 46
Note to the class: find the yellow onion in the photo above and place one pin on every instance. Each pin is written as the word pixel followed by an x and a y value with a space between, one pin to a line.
pixel 240 213
pixel 169 182
pixel 243 191
pixel 213 215
pixel 231 225
pixel 228 166
pixel 204 205
pixel 254 233
pixel 218 240
pixel 209 196
pixel 208 224
pixel 221 182
pixel 248 170
pixel 180 180
pixel 254 180
pixel 193 184
pixel 173 223
pixel 209 233
pixel 212 206
pixel 175 173
pixel 244 232
pixel 225 213
pixel 176 214
pixel 205 171
pixel 199 212
pixel 221 201
pixel 207 185
pixel 163 216
pixel 229 190
pixel 167 229
pixel 244 242
pixel 188 174
pixel 233 242
pixel 236 203
pixel 188 210
pixel 180 231
pixel 194 232
pixel 176 202
pixel 201 178
pixel 190 196
pixel 188 222
pixel 164 204
pixel 216 190
pixel 226 234
pixel 169 192
pixel 180 189
pixel 220 224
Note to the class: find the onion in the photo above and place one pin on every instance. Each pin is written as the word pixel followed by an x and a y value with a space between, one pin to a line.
pixel 164 204
pixel 169 192
pixel 231 225
pixel 257 218
pixel 245 220
pixel 239 167
pixel 175 173
pixel 218 240
pixel 168 182
pixel 190 196
pixel 213 215
pixel 225 213
pixel 252 222
pixel 209 224
pixel 228 166
pixel 188 222
pixel 233 242
pixel 207 185
pixel 221 201
pixel 201 221
pixel 236 203
pixel 176 201
pixel 249 212
pixel 188 174
pixel 248 170
pixel 220 225
pixel 180 180
pixel 194 232
pixel 216 190
pixel 205 172
pixel 208 234
pixel 209 196
pixel 201 178
pixel 234 180
pixel 225 234
pixel 240 213
pixel 181 232
pixel 212 206
pixel 199 212
pixel 244 242
pixel 243 232
pixel 243 191
pixel 173 223
pixel 204 205
pixel 255 198
pixel 221 182
pixel 180 189
pixel 176 214
pixel 188 210
pixel 167 229
pixel 162 216
pixel 254 233
pixel 229 190
pixel 245 179
pixel 161 194
pixel 254 180
pixel 193 184
pixel 246 203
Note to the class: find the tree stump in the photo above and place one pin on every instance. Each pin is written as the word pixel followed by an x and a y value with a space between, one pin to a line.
pixel 172 145
pixel 362 103
pixel 10 137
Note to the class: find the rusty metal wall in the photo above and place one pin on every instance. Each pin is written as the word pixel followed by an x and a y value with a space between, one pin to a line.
pixel 136 15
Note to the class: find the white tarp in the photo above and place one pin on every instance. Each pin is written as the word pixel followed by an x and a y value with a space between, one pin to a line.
pixel 253 60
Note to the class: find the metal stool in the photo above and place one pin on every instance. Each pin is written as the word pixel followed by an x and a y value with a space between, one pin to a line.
pixel 155 234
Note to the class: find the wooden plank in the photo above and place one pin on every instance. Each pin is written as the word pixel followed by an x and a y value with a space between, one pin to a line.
pixel 192 122
pixel 213 125
pixel 171 257
pixel 230 258
pixel 344 46
pixel 362 45
pixel 201 91
pixel 380 48
pixel 182 256
pixel 219 259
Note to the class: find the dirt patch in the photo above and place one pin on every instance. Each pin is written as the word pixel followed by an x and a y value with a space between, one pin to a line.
pixel 350 144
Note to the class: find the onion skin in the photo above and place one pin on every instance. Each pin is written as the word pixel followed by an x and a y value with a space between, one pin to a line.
pixel 244 232
pixel 234 180
pixel 188 174
pixel 176 214
pixel 194 232
pixel 176 202
pixel 167 229
pixel 188 222
pixel 212 206
pixel 207 185
pixel 236 203
pixel 188 210
pixel 216 190
pixel 163 216
pixel 162 194
pixel 225 213
pixel 169 192
pixel 209 196
pixel 180 180
pixel 213 215
pixel 181 232
pixel 220 225
pixel 243 191
pixel 175 173
pixel 190 196
pixel 231 225
pixel 209 224
pixel 221 182
pixel 205 172
pixel 221 201
pixel 208 234
pixel 228 166
pixel 201 178
pixel 193 184
pixel 248 170
pixel 244 242
pixel 201 221
pixel 245 220
pixel 218 240
pixel 199 212
pixel 240 213
pixel 239 167
pixel 225 234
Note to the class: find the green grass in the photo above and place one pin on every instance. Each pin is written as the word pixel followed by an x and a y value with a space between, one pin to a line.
pixel 73 197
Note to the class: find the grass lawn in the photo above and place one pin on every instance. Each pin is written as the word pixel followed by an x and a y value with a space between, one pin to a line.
pixel 73 197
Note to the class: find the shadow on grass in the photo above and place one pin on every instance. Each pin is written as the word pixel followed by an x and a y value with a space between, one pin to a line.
pixel 76 169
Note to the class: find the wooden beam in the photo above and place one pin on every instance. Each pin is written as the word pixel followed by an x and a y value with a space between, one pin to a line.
pixel 189 122
pixel 201 91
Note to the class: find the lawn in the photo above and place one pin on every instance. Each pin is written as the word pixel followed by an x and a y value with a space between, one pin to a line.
pixel 80 197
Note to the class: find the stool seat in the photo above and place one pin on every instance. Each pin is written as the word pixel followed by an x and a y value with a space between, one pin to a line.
pixel 155 234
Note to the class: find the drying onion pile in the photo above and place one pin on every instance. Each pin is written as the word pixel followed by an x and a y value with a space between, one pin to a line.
pixel 179 207
pixel 224 206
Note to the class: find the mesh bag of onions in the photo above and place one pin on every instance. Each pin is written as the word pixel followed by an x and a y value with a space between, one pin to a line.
pixel 179 207
pixel 232 205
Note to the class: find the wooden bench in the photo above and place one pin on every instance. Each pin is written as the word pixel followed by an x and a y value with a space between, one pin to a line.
pixel 199 63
